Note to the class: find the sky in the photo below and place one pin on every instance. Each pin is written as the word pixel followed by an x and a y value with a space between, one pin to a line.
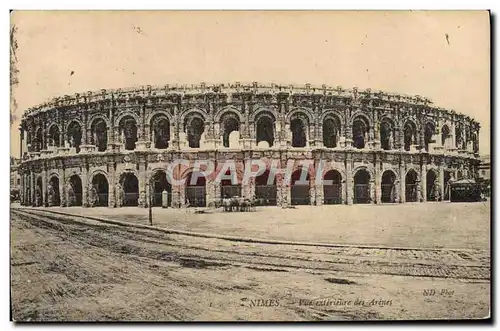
pixel 442 55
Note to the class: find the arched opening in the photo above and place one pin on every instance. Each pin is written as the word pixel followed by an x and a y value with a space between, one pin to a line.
pixel 332 188
pixel 432 186
pixel 195 190
pixel 54 136
pixel 299 138
pixel 160 184
pixel 445 136
pixel 75 136
pixel 409 135
pixel 266 190
pixel 194 127
pixel 359 133
pixel 459 175
pixel 331 132
pixel 53 196
pixel 128 132
pixel 362 187
pixel 428 133
pixel 388 187
pixel 99 132
pixel 160 131
pixel 300 191
pixel 75 192
pixel 100 188
pixel 230 188
pixel 229 123
pixel 130 186
pixel 386 135
pixel 39 192
pixel 38 143
pixel 411 186
pixel 265 129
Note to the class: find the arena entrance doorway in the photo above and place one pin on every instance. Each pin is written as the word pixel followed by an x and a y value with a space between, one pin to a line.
pixel 432 189
pixel 388 187
pixel 300 192
pixel 195 194
pixel 53 190
pixel 100 184
pixel 160 183
pixel 130 190
pixel 362 187
pixel 75 192
pixel 265 191
pixel 332 193
pixel 411 192
pixel 228 188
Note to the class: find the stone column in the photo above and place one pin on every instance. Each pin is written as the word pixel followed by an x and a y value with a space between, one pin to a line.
pixel 372 191
pixel 33 189
pixel 176 196
pixel 249 188
pixel 62 186
pixel 21 189
pixel 85 185
pixel 349 179
pixel 423 181
pixel 111 185
pixel 441 181
pixel 312 190
pixel 44 187
pixel 142 182
pixel 402 177
pixel 348 135
pixel 377 181
pixel 318 183
pixel 279 193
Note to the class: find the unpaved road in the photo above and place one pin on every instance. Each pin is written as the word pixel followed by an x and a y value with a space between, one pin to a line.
pixel 72 268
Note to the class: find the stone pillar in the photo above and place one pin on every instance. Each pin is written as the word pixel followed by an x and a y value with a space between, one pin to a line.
pixel 441 181
pixel 378 188
pixel 280 193
pixel 32 188
pixel 171 142
pixel 44 187
pixel 318 183
pixel 111 185
pixel 176 196
pixel 142 183
pixel 402 178
pixel 62 186
pixel 85 186
pixel 249 188
pixel 21 189
pixel 348 135
pixel 349 185
pixel 312 190
pixel 423 181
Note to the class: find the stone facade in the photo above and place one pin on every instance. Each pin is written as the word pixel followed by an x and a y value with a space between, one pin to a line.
pixel 113 148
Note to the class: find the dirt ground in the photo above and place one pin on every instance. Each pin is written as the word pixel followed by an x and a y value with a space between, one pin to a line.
pixel 86 271
pixel 449 225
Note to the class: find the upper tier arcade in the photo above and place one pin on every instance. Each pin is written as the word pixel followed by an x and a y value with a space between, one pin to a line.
pixel 239 116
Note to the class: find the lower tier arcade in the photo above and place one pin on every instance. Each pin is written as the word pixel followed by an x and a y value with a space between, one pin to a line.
pixel 314 177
